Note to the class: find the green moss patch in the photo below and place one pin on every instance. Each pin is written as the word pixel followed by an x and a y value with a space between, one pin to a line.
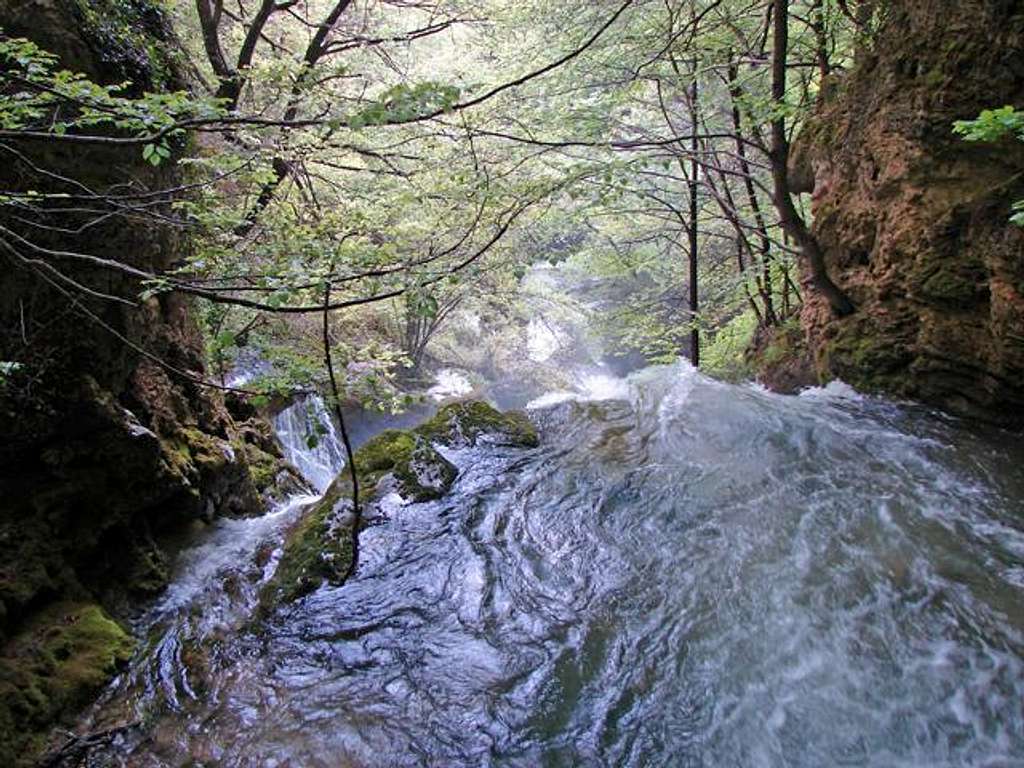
pixel 962 284
pixel 781 358
pixel 58 663
pixel 273 477
pixel 869 357
pixel 420 472
pixel 318 549
pixel 465 423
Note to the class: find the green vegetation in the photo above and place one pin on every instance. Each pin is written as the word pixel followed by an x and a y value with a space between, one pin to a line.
pixel 993 125
pixel 465 423
pixel 408 190
pixel 56 664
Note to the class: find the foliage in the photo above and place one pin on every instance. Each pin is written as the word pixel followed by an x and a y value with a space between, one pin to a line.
pixel 724 357
pixel 411 161
pixel 993 125
pixel 52 100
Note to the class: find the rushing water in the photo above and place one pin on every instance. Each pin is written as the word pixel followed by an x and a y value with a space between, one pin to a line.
pixel 685 573
pixel 310 440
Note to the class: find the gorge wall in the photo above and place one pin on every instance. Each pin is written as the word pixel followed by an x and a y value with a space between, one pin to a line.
pixel 914 221
pixel 109 443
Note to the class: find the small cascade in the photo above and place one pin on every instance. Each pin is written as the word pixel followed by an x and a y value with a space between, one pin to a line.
pixel 543 340
pixel 310 440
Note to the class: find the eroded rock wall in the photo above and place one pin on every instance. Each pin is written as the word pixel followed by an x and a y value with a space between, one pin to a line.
pixel 108 444
pixel 914 221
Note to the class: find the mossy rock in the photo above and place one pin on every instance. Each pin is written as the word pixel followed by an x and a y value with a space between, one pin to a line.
pixel 190 452
pixel 869 358
pixel 467 423
pixel 58 663
pixel 781 358
pixel 213 468
pixel 274 478
pixel 319 548
pixel 420 472
pixel 962 285
pixel 149 573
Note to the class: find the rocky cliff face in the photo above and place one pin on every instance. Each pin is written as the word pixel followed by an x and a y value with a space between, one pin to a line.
pixel 109 443
pixel 914 221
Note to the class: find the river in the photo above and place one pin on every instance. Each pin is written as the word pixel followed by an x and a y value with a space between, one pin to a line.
pixel 685 573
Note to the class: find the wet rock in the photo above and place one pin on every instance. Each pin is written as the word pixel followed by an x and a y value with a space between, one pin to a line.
pixel 468 422
pixel 781 361
pixel 419 471
pixel 274 478
pixel 320 549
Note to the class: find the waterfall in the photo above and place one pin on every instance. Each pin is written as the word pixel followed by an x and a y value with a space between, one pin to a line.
pixel 310 440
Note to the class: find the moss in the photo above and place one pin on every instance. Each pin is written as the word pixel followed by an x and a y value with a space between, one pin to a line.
pixel 272 476
pixel 466 422
pixel 383 453
pixel 781 359
pixel 318 549
pixel 262 466
pixel 209 454
pixel 868 358
pixel 53 668
pixel 420 471
pixel 779 350
pixel 956 285
pixel 150 572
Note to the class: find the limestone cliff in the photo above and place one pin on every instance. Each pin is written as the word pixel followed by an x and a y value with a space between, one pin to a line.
pixel 914 221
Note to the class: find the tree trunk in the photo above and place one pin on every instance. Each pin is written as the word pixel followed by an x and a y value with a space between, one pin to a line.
pixel 692 226
pixel 789 217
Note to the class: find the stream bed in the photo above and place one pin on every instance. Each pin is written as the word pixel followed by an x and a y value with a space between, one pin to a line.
pixel 685 573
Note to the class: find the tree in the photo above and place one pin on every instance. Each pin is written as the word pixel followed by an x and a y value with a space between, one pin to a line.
pixel 789 217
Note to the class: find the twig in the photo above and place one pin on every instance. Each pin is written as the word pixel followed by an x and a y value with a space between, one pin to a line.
pixel 349 456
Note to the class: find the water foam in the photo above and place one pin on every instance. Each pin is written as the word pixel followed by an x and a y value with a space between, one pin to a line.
pixel 449 383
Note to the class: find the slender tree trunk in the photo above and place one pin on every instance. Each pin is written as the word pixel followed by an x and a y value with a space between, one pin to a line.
pixel 789 217
pixel 692 228
pixel 740 245
pixel 357 511
pixel 765 282
pixel 820 27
